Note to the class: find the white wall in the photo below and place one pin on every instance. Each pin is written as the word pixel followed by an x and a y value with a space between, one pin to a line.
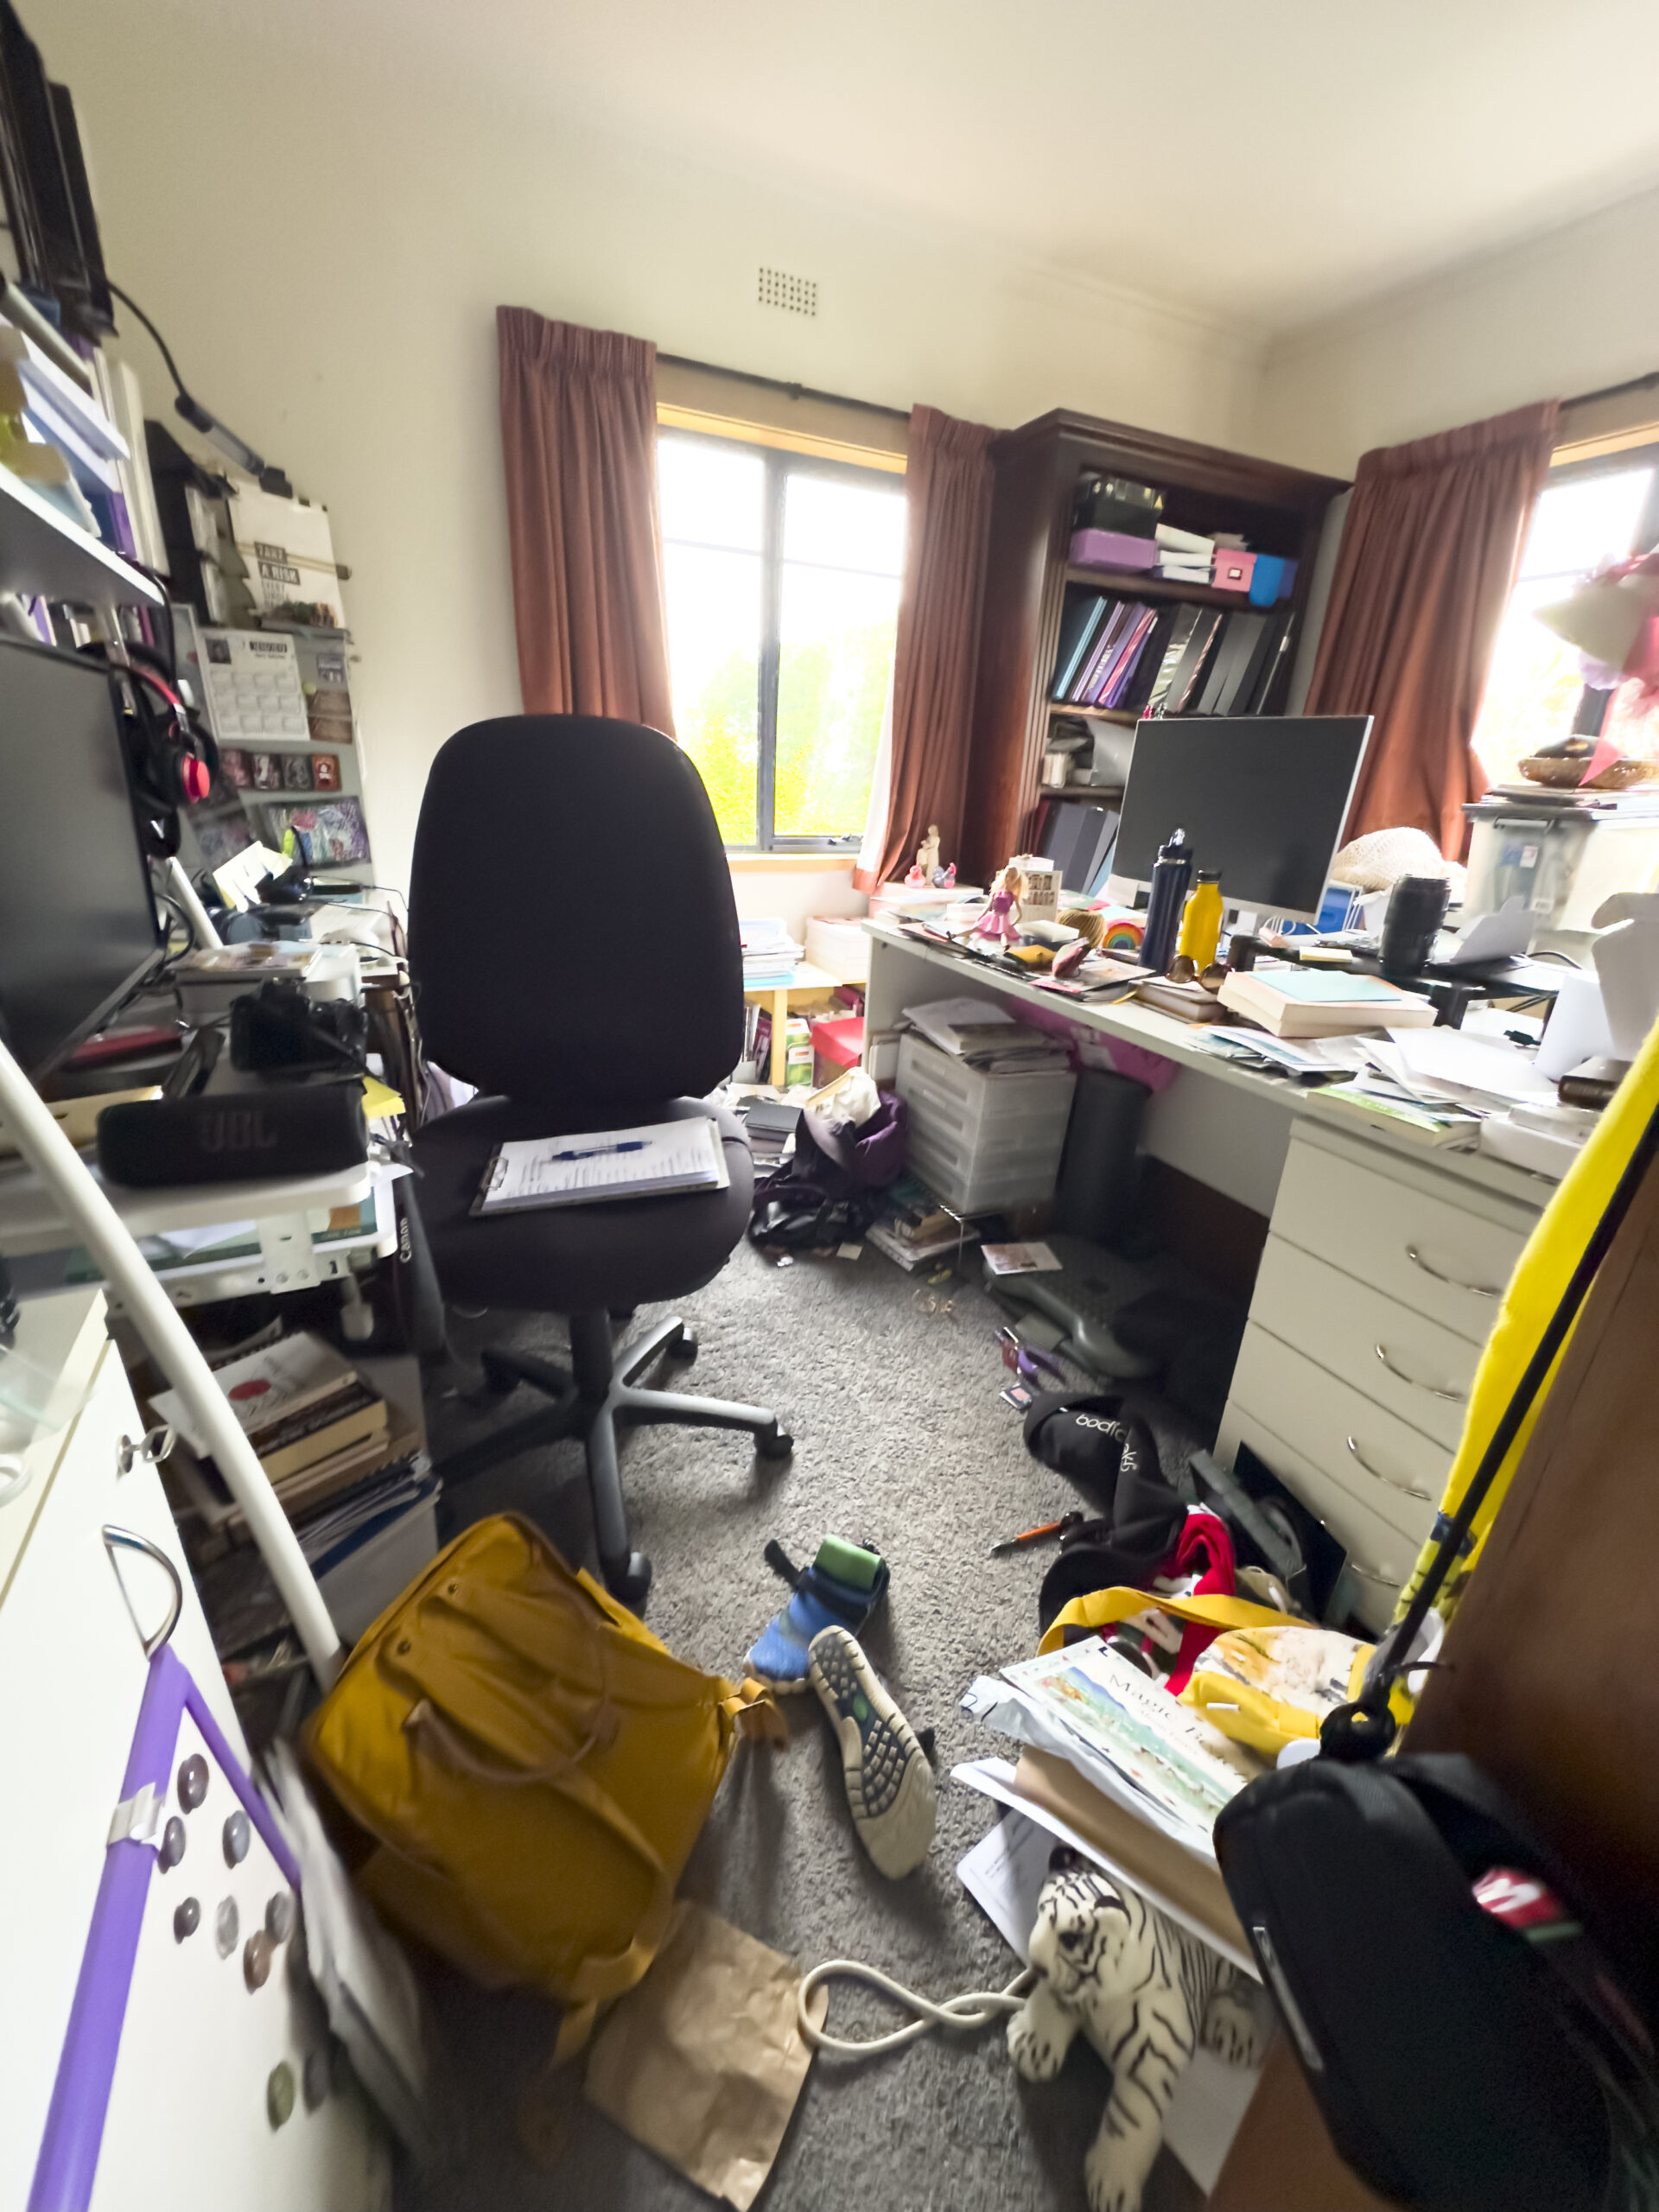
pixel 1570 312
pixel 323 234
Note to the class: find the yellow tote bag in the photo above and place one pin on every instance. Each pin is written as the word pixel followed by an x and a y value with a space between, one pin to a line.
pixel 533 1764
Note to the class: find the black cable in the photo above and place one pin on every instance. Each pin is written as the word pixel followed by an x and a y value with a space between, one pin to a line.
pixel 127 300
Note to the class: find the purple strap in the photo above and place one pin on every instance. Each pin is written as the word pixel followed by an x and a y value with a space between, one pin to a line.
pixel 80 2095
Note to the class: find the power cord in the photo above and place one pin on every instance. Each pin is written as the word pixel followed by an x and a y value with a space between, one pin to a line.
pixel 972 2009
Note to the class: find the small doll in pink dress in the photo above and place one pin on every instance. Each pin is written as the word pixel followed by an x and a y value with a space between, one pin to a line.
pixel 1000 919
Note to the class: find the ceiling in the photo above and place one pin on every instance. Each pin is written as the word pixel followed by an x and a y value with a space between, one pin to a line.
pixel 1267 162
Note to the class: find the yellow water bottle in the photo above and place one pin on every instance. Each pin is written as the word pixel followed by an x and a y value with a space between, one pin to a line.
pixel 1201 923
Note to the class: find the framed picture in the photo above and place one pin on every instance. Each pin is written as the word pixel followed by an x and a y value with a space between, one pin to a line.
pixel 267 771
pixel 325 771
pixel 296 772
pixel 221 832
pixel 331 832
pixel 233 766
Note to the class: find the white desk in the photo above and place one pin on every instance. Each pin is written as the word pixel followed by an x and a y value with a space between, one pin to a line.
pixel 1385 1261
pixel 1230 1130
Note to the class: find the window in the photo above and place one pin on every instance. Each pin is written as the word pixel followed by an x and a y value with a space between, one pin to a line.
pixel 1589 513
pixel 783 601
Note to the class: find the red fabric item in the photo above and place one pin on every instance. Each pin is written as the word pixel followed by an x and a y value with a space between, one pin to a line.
pixel 1204 1548
pixel 579 441
pixel 1424 573
pixel 947 480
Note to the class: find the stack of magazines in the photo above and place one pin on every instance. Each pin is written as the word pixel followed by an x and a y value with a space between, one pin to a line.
pixel 1124 1732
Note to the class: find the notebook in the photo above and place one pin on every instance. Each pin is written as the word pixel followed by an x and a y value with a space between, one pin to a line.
pixel 652 1162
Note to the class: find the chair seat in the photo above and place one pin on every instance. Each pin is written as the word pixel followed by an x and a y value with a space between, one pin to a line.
pixel 572 1259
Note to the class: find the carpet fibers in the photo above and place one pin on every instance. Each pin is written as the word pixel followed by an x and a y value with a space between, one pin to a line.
pixel 901 1442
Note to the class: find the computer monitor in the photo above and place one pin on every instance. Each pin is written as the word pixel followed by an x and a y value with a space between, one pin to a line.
pixel 78 924
pixel 1262 798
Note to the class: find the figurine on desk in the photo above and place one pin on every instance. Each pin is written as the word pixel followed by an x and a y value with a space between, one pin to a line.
pixel 1001 917
pixel 926 870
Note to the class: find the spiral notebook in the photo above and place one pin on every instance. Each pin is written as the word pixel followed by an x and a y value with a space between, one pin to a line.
pixel 655 1161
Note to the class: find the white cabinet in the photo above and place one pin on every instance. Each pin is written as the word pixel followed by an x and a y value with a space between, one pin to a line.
pixel 72 1674
pixel 1380 1281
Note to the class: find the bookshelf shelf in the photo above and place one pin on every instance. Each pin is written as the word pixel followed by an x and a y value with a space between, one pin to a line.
pixel 1096 794
pixel 41 551
pixel 1128 716
pixel 1205 490
pixel 1141 583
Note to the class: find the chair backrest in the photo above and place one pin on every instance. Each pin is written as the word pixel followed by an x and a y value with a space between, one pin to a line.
pixel 573 937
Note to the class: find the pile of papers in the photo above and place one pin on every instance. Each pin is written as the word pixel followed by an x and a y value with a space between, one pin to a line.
pixel 1443 1083
pixel 770 954
pixel 915 1228
pixel 985 1037
pixel 1122 1731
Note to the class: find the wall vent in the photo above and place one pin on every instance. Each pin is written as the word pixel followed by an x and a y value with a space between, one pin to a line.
pixel 796 294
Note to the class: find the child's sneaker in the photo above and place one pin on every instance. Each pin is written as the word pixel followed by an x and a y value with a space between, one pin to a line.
pixel 842 1588
pixel 890 1785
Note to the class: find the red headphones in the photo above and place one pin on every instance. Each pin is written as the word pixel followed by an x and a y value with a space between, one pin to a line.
pixel 172 752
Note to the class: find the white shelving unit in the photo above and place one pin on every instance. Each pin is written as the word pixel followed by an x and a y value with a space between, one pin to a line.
pixel 44 555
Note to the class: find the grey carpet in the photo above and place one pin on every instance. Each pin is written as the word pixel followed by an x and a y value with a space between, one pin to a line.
pixel 900 1440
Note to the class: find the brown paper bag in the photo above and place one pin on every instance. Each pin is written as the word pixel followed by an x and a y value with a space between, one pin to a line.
pixel 704 2060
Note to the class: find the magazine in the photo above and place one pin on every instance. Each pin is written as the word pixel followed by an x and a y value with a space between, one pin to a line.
pixel 1184 1766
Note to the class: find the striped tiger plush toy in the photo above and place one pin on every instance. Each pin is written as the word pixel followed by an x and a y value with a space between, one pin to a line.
pixel 1144 1993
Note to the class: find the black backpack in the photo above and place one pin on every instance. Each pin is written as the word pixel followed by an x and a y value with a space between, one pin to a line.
pixel 1460 2066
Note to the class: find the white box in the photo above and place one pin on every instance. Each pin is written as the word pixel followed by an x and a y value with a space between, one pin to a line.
pixel 840 946
pixel 983 1142
pixel 360 1589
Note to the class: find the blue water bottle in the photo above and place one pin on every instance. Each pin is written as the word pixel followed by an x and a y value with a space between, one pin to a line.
pixel 1171 874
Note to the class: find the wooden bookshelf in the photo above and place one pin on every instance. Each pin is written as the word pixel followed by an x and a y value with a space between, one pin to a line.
pixel 1275 510
pixel 1141 583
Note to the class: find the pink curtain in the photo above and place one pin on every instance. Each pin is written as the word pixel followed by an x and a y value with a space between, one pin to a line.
pixel 1426 564
pixel 948 499
pixel 579 439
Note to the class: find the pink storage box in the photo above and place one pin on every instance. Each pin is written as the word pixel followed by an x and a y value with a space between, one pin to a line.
pixel 1112 549
pixel 1233 570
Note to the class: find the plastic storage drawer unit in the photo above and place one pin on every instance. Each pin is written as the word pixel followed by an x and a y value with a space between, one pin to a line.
pixel 982 1141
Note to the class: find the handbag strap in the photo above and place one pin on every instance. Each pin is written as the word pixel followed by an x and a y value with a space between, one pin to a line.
pixel 1105 1608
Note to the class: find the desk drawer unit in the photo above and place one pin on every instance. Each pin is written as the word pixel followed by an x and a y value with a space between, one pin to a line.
pixel 1412 1365
pixel 1445 1251
pixel 1379 1557
pixel 1393 1470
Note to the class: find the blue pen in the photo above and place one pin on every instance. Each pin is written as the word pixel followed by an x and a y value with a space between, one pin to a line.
pixel 597 1150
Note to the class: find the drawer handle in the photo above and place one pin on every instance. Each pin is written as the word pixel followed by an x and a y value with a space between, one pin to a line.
pixel 1384 1577
pixel 1474 1289
pixel 1390 1481
pixel 14 1477
pixel 1452 1397
pixel 125 1540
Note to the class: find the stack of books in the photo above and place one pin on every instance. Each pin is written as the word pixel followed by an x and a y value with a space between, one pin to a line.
pixel 315 1425
pixel 915 1228
pixel 1183 555
pixel 771 955
pixel 1313 1002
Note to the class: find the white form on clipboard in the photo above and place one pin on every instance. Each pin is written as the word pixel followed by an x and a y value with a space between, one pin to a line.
pixel 587 1168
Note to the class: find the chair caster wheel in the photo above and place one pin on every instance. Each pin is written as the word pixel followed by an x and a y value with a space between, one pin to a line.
pixel 499 1380
pixel 775 1444
pixel 629 1584
pixel 684 1350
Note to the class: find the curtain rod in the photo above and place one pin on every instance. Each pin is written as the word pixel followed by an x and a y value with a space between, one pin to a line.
pixel 777 383
pixel 1615 390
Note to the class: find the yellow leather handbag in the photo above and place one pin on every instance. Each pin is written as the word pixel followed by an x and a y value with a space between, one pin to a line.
pixel 533 1764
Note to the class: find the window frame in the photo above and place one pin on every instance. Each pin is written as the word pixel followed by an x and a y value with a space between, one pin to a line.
pixel 780 463
pixel 1591 711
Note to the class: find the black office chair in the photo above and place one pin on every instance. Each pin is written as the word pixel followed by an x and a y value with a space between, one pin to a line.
pixel 574 950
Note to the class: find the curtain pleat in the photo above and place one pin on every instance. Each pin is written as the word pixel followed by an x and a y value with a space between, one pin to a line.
pixel 579 442
pixel 1428 561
